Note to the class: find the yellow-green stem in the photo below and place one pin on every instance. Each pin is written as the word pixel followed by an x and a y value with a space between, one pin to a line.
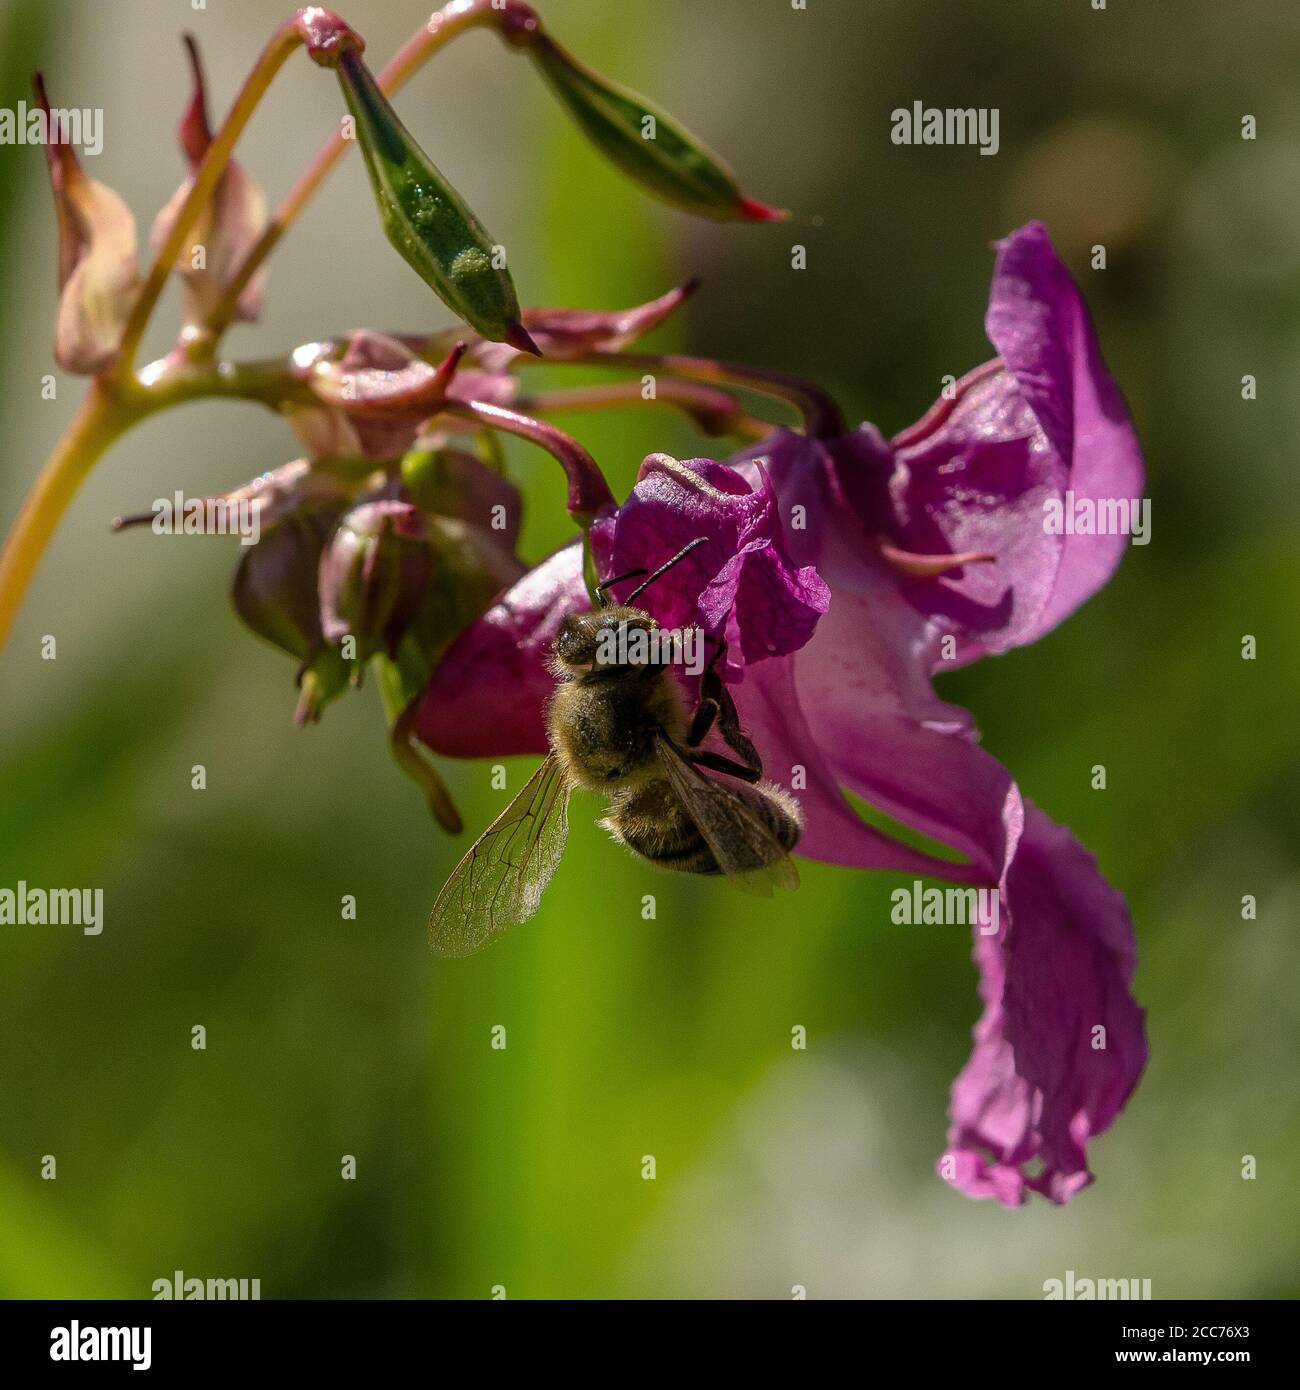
pixel 98 422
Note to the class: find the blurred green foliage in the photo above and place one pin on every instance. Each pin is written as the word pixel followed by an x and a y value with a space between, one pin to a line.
pixel 325 1037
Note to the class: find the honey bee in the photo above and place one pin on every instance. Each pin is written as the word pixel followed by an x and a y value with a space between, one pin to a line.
pixel 618 725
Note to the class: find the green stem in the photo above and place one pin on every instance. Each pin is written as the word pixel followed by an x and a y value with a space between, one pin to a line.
pixel 400 713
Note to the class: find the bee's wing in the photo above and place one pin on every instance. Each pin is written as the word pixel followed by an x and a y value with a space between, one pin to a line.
pixel 500 881
pixel 746 850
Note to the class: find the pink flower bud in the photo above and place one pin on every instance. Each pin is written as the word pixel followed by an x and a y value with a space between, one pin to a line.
pixel 374 576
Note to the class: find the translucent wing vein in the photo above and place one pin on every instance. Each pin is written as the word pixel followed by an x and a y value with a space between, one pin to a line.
pixel 500 881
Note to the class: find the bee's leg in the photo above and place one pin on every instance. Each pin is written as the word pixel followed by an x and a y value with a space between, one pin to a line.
pixel 717 707
pixel 702 722
pixel 702 757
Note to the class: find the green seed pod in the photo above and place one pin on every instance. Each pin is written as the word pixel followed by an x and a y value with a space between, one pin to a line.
pixel 643 141
pixel 424 217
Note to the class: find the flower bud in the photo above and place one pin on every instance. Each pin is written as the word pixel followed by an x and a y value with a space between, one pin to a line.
pixel 644 142
pixel 274 592
pixel 97 267
pixel 374 575
pixel 473 566
pixel 452 483
pixel 275 584
pixel 425 218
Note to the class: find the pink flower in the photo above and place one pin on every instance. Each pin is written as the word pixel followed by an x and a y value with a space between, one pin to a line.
pixel 935 551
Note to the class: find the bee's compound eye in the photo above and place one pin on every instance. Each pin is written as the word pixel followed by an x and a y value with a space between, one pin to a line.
pixel 575 641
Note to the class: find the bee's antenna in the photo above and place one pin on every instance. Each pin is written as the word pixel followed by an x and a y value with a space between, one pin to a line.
pixel 663 569
pixel 609 583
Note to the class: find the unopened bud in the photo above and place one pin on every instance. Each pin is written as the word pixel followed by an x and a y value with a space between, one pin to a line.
pixel 274 592
pixel 274 589
pixel 374 575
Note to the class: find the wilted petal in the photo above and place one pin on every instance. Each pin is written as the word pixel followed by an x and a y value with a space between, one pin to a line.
pixel 289 488
pixel 227 227
pixel 383 390
pixel 567 333
pixel 1061 1043
pixel 324 433
pixel 97 266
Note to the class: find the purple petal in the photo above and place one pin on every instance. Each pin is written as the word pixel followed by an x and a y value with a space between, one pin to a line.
pixel 487 696
pixel 740 581
pixel 975 473
pixel 1055 984
pixel 787 729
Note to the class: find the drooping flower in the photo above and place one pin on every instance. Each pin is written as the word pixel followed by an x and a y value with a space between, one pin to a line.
pixel 935 549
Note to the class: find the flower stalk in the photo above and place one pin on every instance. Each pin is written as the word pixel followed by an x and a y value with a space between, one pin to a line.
pixel 822 417
pixel 588 491
pixel 99 420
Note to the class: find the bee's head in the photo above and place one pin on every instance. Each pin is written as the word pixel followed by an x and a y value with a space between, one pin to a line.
pixel 613 638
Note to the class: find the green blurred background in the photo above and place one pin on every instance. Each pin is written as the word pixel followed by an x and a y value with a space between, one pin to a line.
pixel 775 1167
